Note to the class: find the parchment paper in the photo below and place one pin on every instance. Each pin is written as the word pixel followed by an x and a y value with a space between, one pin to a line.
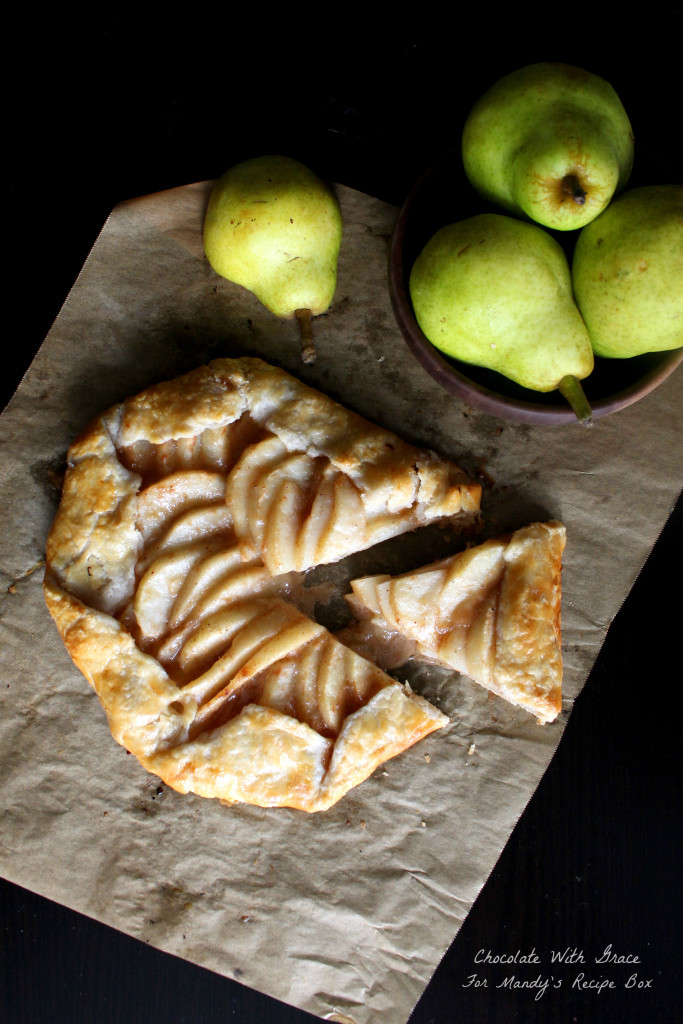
pixel 346 914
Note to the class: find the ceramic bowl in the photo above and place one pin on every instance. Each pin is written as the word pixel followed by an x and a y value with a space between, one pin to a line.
pixel 441 196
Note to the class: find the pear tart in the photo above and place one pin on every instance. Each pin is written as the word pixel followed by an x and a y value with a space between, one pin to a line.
pixel 491 612
pixel 185 511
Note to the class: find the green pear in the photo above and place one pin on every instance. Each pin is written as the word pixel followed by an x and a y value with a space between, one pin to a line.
pixel 550 142
pixel 275 228
pixel 495 291
pixel 627 271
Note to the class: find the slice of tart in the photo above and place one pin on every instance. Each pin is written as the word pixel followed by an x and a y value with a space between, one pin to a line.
pixel 491 612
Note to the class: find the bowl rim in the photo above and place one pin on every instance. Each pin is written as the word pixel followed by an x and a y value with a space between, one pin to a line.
pixel 477 395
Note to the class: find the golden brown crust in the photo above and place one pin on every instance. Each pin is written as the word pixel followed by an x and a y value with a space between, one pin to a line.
pixel 528 627
pixel 93 543
pixel 180 509
pixel 137 695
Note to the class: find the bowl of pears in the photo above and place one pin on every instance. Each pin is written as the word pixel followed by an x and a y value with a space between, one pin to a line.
pixel 528 274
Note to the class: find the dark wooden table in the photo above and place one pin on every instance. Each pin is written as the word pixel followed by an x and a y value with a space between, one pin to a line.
pixel 104 108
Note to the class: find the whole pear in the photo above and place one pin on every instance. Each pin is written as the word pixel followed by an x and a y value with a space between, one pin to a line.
pixel 627 271
pixel 550 142
pixel 275 228
pixel 496 292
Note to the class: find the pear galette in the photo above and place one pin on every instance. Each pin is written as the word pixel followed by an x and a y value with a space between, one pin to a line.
pixel 184 513
pixel 491 612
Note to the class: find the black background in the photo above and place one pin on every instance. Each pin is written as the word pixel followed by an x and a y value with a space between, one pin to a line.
pixel 104 107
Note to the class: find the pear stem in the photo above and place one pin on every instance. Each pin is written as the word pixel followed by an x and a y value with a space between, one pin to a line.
pixel 570 387
pixel 306 328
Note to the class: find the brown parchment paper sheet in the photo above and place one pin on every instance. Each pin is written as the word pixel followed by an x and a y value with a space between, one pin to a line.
pixel 346 914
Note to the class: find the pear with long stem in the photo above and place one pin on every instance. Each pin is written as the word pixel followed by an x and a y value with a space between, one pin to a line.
pixel 496 292
pixel 274 227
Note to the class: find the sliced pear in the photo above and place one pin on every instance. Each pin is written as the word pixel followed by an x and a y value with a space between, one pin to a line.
pixel 480 657
pixel 315 524
pixel 161 583
pixel 364 590
pixel 202 578
pixel 299 632
pixel 256 460
pixel 331 685
pixel 256 632
pixel 261 644
pixel 409 603
pixel 215 632
pixel 279 688
pixel 472 571
pixel 162 501
pixel 282 528
pixel 307 684
pixel 197 522
pixel 249 578
pixel 263 499
pixel 363 678
pixel 245 581
pixel 346 525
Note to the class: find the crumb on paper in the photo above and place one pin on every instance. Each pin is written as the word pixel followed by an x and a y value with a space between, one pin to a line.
pixel 12 588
